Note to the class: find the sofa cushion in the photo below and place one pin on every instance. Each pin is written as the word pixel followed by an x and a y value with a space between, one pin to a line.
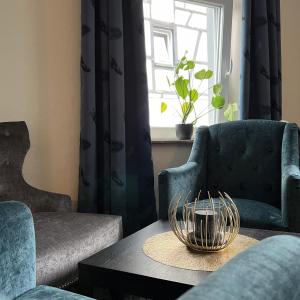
pixel 255 214
pixel 64 239
pixel 47 292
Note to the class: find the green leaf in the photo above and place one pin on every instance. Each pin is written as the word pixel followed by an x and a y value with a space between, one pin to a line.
pixel 217 89
pixel 163 107
pixel 200 74
pixel 183 58
pixel 209 74
pixel 181 64
pixel 189 65
pixel 185 107
pixel 218 101
pixel 204 74
pixel 230 111
pixel 194 95
pixel 181 86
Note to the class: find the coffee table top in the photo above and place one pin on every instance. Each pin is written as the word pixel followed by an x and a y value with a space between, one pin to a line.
pixel 126 264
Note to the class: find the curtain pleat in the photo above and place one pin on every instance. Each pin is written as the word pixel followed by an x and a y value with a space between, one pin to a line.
pixel 260 84
pixel 116 169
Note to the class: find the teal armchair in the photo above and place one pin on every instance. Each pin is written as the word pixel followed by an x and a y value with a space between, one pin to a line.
pixel 17 258
pixel 269 270
pixel 255 161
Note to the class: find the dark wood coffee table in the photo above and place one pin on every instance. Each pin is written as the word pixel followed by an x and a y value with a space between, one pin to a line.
pixel 124 268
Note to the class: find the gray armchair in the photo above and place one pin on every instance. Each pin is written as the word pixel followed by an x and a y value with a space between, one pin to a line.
pixel 63 237
pixel 255 161
pixel 14 144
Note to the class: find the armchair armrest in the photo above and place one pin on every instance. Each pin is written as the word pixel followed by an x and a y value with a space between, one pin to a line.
pixel 175 182
pixel 290 185
pixel 291 198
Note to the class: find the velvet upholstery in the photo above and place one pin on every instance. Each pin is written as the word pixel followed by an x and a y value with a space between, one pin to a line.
pixel 244 160
pixel 18 257
pixel 269 270
pixel 70 238
pixel 50 293
pixel 252 160
pixel 259 214
pixel 14 144
pixel 290 191
pixel 17 249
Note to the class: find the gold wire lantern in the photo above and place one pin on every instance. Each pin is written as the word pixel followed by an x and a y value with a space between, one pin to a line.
pixel 207 225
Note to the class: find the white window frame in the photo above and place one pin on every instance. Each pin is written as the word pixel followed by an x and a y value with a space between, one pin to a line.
pixel 223 59
pixel 157 30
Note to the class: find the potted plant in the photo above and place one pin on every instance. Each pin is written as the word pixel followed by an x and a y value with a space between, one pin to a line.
pixel 187 82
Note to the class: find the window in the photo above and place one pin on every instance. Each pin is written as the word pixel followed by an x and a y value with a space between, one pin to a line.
pixel 172 28
pixel 163 46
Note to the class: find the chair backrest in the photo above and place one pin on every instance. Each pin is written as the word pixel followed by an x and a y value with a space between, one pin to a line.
pixel 17 249
pixel 244 159
pixel 269 270
pixel 14 144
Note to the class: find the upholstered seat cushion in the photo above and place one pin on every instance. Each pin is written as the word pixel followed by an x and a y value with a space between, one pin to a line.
pixel 255 214
pixel 47 292
pixel 64 239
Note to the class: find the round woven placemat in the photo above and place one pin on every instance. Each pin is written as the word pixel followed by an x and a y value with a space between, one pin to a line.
pixel 167 249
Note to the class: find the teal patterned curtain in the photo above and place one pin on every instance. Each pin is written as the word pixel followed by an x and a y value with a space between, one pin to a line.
pixel 260 85
pixel 116 171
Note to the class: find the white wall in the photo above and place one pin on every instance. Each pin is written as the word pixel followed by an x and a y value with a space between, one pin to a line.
pixel 166 156
pixel 234 88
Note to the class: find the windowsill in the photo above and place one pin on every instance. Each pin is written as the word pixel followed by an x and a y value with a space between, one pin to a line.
pixel 167 136
pixel 172 141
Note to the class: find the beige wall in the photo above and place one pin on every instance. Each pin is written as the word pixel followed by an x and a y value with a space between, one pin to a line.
pixel 166 156
pixel 40 83
pixel 290 32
